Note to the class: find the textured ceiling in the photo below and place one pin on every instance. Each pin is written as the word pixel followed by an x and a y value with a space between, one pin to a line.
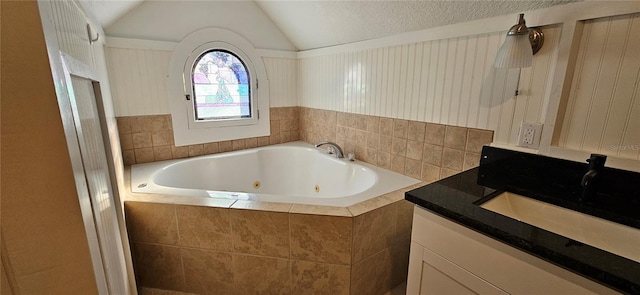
pixel 316 24
pixel 310 24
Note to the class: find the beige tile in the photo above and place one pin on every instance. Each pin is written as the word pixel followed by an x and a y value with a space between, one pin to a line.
pixel 263 141
pixel 361 122
pixel 124 124
pixel 274 138
pixel 260 232
pixel 397 163
pixel 158 122
pixel 142 140
pixel 162 137
pixel 320 210
pixel 341 119
pixel 152 291
pixel 262 206
pixel 204 227
pixel 373 231
pixel 207 272
pixel 432 154
pixel 430 173
pixel 225 146
pixel 285 125
pixel 369 205
pixel 434 134
pixel 413 168
pixel 196 150
pixel 414 150
pixel 285 136
pixel 350 120
pixel 446 172
pixel 361 138
pixel 400 262
pixel 237 144
pixel 373 124
pixel 477 138
pixel 386 126
pixel 161 153
pixel 385 143
pixel 210 148
pixel 416 131
pixel 275 126
pixel 399 147
pixel 384 160
pixel 261 275
pixel 373 274
pixel 321 238
pixel 251 142
pixel 315 278
pixel 128 157
pixel 295 135
pixel 152 223
pixel 471 160
pixel 370 156
pixel 341 132
pixel 158 266
pixel 126 141
pixel 276 113
pixel 452 159
pixel 144 155
pixel 455 137
pixel 400 128
pixel 179 152
pixel 372 140
pixel 404 220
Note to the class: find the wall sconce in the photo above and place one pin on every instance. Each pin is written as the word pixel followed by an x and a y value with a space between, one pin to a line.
pixel 519 46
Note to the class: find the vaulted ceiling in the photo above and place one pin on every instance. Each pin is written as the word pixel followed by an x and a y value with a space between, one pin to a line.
pixel 310 24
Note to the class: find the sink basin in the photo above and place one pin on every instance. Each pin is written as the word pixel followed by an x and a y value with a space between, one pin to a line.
pixel 612 237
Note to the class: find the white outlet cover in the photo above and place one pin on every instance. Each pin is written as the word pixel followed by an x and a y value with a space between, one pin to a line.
pixel 529 135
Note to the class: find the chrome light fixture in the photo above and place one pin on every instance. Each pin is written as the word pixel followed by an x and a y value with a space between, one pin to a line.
pixel 519 46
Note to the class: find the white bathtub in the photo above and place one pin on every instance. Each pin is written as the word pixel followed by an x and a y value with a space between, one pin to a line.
pixel 287 173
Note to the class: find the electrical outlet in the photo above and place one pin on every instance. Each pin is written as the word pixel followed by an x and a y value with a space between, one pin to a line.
pixel 529 135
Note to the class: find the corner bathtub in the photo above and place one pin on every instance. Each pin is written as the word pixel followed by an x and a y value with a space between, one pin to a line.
pixel 294 172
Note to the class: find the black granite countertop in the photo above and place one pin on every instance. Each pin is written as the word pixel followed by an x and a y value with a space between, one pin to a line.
pixel 457 198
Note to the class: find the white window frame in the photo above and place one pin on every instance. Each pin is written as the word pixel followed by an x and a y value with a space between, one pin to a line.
pixel 186 130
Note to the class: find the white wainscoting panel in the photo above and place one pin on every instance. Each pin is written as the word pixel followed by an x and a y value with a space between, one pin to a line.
pixel 448 81
pixel 71 30
pixel 603 108
pixel 139 85
pixel 138 81
pixel 283 81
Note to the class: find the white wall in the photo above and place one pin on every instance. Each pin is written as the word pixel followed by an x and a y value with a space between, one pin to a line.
pixel 139 78
pixel 603 109
pixel 172 20
pixel 448 81
pixel 442 75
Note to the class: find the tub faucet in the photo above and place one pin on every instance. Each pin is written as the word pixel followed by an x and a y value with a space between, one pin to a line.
pixel 590 179
pixel 333 148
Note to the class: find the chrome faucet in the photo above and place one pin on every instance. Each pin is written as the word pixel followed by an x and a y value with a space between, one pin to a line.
pixel 333 148
pixel 590 179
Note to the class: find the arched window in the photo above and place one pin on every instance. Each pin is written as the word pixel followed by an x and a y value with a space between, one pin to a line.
pixel 217 89
pixel 220 83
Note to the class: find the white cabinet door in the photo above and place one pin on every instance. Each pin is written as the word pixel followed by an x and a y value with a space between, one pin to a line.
pixel 433 274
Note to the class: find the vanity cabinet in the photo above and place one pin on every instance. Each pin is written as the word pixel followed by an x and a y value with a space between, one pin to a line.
pixel 447 258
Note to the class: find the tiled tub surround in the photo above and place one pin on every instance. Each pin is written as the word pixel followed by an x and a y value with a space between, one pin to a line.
pixel 420 150
pixel 210 246
pixel 150 138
